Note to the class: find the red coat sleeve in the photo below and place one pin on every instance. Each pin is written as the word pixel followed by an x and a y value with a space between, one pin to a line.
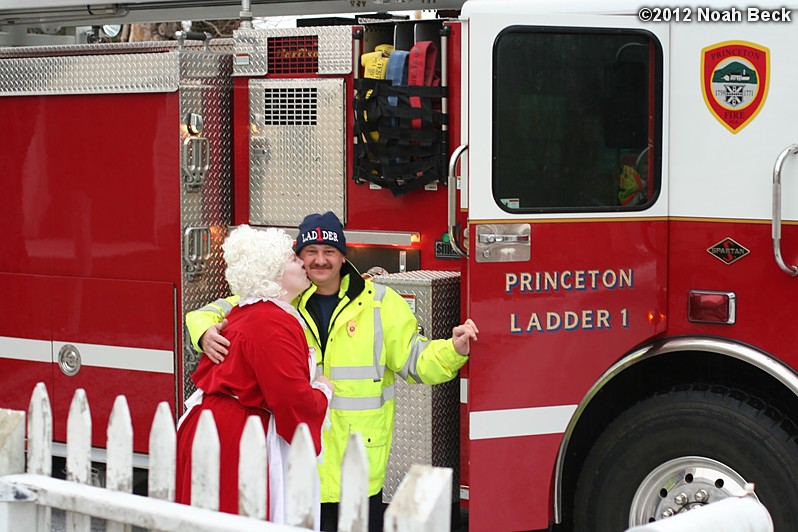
pixel 279 357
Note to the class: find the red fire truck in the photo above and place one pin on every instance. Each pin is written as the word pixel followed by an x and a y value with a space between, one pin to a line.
pixel 614 187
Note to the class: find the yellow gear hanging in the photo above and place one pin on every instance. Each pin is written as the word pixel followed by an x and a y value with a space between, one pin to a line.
pixel 375 65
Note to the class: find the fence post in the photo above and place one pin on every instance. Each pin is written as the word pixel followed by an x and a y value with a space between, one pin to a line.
pixel 78 461
pixel 163 454
pixel 353 511
pixel 205 463
pixel 14 515
pixel 40 432
pixel 302 494
pixel 119 471
pixel 40 443
pixel 252 470
pixel 423 501
pixel 12 441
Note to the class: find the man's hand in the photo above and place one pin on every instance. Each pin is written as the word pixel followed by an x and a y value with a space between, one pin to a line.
pixel 213 343
pixel 462 335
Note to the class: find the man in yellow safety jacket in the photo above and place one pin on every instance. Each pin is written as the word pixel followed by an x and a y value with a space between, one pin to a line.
pixel 364 334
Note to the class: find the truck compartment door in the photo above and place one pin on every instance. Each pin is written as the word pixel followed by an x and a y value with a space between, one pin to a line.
pixel 113 336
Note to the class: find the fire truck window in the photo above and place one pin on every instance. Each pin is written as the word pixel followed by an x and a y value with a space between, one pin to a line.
pixel 577 120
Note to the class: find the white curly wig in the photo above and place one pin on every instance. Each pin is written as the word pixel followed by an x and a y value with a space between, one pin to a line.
pixel 256 261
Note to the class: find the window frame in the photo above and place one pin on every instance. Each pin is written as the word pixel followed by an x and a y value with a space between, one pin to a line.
pixel 655 119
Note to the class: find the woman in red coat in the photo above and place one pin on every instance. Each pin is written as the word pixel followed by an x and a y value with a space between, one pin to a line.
pixel 268 370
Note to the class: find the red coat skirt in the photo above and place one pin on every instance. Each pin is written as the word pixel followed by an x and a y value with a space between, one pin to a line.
pixel 230 417
pixel 266 372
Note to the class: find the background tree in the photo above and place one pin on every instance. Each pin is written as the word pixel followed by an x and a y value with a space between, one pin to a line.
pixel 165 31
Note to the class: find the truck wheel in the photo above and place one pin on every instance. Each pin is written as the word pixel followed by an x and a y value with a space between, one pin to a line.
pixel 684 448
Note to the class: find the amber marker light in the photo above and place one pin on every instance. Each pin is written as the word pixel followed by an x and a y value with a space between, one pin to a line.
pixel 655 317
pixel 708 306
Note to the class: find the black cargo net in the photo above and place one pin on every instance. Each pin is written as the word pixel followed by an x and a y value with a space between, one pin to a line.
pixel 400 145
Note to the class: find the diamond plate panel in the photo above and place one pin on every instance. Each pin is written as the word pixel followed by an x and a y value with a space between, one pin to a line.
pixel 206 89
pixel 335 48
pixel 295 168
pixel 97 48
pixel 427 429
pixel 216 45
pixel 89 74
pixel 112 68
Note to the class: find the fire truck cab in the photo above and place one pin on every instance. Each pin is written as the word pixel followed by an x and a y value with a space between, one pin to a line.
pixel 634 334
pixel 613 186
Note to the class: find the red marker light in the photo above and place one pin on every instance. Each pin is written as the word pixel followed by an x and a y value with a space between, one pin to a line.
pixel 705 306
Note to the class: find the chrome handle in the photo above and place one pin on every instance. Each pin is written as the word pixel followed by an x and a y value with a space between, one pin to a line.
pixel 456 154
pixel 196 250
pixel 791 270
pixel 489 238
pixel 195 161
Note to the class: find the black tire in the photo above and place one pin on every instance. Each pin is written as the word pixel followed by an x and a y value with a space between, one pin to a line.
pixel 738 437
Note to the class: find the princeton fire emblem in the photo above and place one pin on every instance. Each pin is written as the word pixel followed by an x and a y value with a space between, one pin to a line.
pixel 735 77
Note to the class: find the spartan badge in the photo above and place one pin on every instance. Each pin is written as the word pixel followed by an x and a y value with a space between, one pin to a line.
pixel 728 250
pixel 735 77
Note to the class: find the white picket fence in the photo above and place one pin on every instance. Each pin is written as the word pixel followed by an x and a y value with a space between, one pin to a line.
pixel 422 503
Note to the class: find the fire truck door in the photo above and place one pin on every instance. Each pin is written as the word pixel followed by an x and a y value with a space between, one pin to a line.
pixel 566 238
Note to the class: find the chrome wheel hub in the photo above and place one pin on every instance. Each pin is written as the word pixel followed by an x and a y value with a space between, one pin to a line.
pixel 683 484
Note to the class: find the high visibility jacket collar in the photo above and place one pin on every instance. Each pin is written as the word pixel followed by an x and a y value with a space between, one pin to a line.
pixel 352 283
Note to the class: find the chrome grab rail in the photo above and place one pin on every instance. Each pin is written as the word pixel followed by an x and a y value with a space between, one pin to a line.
pixel 791 270
pixel 489 238
pixel 452 211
